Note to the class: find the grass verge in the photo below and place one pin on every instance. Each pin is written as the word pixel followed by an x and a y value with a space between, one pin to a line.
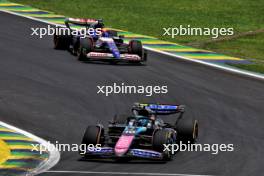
pixel 149 17
pixel 248 47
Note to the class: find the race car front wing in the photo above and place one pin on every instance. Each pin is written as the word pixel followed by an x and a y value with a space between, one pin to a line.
pixel 123 57
pixel 136 153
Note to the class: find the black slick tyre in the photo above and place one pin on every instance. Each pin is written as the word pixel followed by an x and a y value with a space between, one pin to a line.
pixel 86 46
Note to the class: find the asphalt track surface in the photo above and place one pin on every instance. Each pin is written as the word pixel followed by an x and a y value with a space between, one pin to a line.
pixel 52 95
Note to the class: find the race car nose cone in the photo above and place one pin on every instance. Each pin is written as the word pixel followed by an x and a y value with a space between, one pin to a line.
pixel 120 152
pixel 116 54
pixel 123 145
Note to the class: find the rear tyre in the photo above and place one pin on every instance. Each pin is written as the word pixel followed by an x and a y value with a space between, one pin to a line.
pixel 86 46
pixel 187 130
pixel 160 138
pixel 61 42
pixel 112 33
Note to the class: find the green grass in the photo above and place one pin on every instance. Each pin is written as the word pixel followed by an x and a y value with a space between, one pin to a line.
pixel 149 17
pixel 253 67
pixel 248 47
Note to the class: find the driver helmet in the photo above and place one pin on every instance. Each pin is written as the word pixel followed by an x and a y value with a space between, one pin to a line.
pixel 143 122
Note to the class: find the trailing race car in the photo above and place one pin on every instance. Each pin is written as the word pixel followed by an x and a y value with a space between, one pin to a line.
pixel 142 134
pixel 103 45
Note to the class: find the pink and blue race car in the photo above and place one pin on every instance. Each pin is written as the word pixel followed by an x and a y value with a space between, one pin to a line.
pixel 142 134
pixel 100 45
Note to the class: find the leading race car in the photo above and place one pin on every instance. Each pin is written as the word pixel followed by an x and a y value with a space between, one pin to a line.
pixel 104 45
pixel 142 134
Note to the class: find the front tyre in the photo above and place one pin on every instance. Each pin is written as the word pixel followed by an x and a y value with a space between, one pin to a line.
pixel 135 47
pixel 161 138
pixel 86 46
pixel 93 135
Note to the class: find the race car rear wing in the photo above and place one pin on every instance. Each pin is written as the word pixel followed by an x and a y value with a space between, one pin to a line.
pixel 159 109
pixel 81 21
pixel 85 22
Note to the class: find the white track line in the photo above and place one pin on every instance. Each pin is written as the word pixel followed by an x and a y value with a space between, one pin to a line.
pixel 54 156
pixel 229 69
pixel 32 18
pixel 122 173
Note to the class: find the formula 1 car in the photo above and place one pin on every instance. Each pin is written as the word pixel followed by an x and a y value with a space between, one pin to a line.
pixel 142 134
pixel 100 45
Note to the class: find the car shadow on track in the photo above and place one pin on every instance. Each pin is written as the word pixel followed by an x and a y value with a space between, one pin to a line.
pixel 114 64
pixel 121 161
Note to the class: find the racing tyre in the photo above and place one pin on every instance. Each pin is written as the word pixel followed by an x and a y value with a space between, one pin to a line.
pixel 86 46
pixel 187 130
pixel 135 47
pixel 162 137
pixel 93 135
pixel 61 41
pixel 112 33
